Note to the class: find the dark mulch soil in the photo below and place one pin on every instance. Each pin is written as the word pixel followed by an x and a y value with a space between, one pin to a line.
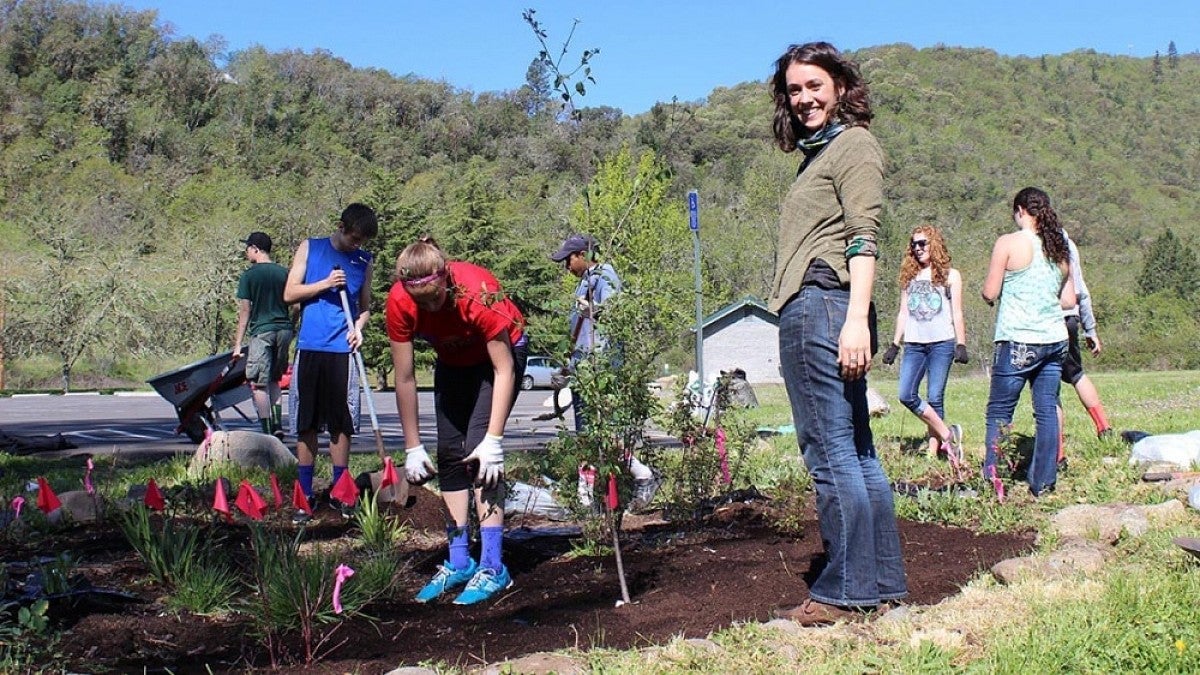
pixel 683 581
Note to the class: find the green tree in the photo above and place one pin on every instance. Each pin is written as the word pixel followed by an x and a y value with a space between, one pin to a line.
pixel 1172 56
pixel 1170 266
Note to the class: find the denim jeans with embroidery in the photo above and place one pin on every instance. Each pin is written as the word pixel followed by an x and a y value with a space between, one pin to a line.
pixel 1014 364
pixel 854 499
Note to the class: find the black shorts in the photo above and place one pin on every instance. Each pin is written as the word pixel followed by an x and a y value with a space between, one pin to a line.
pixel 1072 367
pixel 322 383
pixel 462 402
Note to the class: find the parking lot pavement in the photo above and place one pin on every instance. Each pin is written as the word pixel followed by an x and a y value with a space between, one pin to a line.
pixel 143 422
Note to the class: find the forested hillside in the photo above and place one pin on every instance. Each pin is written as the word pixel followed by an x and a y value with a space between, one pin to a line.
pixel 132 162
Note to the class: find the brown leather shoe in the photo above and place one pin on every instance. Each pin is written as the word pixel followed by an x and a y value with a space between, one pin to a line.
pixel 813 613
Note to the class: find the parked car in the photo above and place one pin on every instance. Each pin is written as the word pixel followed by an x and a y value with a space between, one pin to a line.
pixel 538 370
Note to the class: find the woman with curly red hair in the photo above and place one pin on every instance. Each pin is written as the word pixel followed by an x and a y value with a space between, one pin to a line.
pixel 931 328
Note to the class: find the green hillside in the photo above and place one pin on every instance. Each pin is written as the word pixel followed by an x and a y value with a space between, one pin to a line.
pixel 131 164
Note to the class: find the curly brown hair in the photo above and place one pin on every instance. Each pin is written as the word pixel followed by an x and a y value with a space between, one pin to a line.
pixel 1037 204
pixel 853 108
pixel 939 258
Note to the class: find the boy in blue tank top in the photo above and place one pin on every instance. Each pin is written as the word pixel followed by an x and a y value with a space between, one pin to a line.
pixel 323 376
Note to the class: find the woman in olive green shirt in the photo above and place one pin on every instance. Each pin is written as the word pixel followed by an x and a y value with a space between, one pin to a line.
pixel 822 290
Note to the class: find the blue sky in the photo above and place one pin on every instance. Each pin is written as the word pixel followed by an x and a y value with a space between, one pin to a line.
pixel 653 50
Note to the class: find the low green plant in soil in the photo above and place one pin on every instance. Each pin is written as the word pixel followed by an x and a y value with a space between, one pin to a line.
pixel 380 532
pixel 294 591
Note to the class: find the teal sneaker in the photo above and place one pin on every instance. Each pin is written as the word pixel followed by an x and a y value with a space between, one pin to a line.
pixel 485 584
pixel 447 578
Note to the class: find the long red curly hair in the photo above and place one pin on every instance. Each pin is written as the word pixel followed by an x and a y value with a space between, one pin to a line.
pixel 939 258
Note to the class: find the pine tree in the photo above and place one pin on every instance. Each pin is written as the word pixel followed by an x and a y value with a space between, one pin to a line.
pixel 1171 266
pixel 1172 56
pixel 1156 70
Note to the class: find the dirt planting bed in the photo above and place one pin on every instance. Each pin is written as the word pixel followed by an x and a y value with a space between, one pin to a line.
pixel 687 581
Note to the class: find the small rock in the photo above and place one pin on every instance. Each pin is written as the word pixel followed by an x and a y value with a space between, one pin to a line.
pixel 785 625
pixel 877 405
pixel 1077 557
pixel 895 614
pixel 1167 511
pixel 1133 522
pixel 947 640
pixel 79 506
pixel 411 670
pixel 539 663
pixel 1013 569
pixel 1087 521
pixel 703 644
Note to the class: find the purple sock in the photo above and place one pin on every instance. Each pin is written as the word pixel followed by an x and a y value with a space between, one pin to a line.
pixel 306 476
pixel 490 556
pixel 460 556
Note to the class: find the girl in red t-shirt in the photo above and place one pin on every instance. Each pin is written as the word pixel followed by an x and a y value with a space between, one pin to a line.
pixel 478 335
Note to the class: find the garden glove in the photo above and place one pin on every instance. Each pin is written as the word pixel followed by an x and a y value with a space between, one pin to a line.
pixel 585 307
pixel 490 456
pixel 889 357
pixel 418 468
pixel 960 353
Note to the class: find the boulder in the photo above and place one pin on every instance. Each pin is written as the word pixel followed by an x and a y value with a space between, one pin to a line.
pixel 241 448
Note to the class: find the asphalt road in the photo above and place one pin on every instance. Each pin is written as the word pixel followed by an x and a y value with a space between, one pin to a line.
pixel 144 422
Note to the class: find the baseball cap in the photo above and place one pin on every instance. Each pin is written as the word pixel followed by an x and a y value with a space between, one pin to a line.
pixel 575 242
pixel 259 240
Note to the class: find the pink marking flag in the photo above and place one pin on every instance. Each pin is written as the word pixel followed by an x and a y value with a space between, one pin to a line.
pixel 612 492
pixel 299 500
pixel 345 491
pixel 154 497
pixel 389 474
pixel 18 503
pixel 276 493
pixel 249 501
pixel 87 477
pixel 724 455
pixel 340 575
pixel 221 502
pixel 47 501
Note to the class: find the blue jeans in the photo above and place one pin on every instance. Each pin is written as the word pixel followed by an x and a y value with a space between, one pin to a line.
pixel 920 358
pixel 854 499
pixel 1014 364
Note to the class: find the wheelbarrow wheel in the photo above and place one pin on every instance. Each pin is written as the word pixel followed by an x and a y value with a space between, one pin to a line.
pixel 195 429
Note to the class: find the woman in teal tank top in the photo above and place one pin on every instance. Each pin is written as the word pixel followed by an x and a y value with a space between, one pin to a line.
pixel 1030 274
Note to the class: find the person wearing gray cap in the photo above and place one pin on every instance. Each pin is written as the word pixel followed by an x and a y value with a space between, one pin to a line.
pixel 263 315
pixel 598 282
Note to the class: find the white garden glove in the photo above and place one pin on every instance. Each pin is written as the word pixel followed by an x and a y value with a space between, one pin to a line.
pixel 418 468
pixel 584 307
pixel 490 456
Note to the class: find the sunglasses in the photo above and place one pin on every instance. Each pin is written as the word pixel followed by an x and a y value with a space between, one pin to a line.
pixel 918 243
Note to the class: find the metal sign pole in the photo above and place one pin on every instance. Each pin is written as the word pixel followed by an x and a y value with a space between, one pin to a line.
pixel 694 223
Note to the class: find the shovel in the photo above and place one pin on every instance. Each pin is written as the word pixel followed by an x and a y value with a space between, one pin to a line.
pixel 402 497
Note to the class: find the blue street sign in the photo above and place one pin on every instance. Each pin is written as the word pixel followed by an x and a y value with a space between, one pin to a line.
pixel 694 211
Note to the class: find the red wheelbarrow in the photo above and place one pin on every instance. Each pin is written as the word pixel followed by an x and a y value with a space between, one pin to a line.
pixel 201 390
